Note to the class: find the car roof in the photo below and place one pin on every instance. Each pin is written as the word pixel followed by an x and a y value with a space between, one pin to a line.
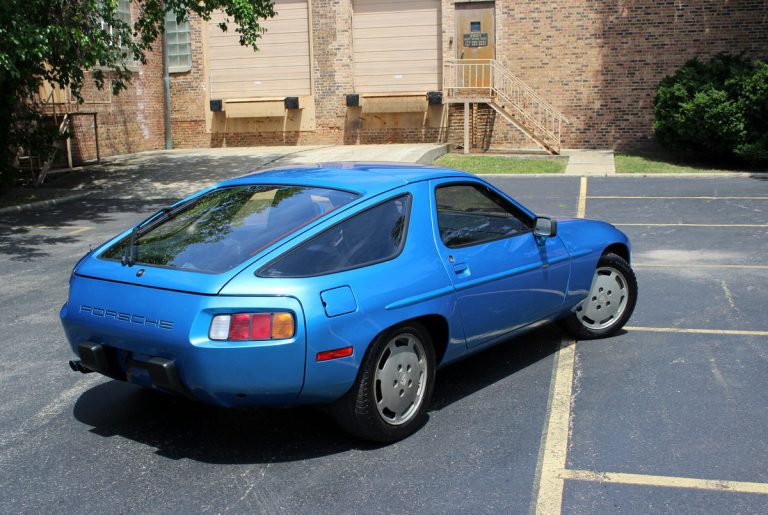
pixel 362 178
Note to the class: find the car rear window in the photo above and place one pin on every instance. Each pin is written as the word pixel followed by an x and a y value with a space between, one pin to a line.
pixel 372 236
pixel 223 228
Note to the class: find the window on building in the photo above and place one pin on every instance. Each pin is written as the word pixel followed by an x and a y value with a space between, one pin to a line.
pixel 179 48
pixel 124 10
pixel 122 13
pixel 474 26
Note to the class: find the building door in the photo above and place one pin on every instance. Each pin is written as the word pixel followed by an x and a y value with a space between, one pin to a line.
pixel 475 41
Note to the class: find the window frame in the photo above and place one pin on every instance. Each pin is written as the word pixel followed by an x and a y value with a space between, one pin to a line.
pixel 516 211
pixel 171 17
pixel 406 222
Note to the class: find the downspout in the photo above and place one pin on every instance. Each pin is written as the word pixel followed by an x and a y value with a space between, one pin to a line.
pixel 167 93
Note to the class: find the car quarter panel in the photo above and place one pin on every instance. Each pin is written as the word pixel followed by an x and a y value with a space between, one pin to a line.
pixel 412 285
pixel 586 240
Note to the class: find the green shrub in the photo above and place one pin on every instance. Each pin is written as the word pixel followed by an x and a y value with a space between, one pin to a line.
pixel 717 109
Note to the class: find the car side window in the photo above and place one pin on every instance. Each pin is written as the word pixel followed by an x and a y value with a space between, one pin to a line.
pixel 372 236
pixel 468 214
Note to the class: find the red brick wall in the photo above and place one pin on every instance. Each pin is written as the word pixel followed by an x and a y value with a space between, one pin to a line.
pixel 597 61
pixel 600 61
pixel 129 122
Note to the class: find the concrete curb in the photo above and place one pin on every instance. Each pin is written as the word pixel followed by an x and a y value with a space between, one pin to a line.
pixel 714 175
pixel 430 155
pixel 495 175
pixel 44 203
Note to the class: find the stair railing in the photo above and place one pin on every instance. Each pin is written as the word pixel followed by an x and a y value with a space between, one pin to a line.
pixel 477 78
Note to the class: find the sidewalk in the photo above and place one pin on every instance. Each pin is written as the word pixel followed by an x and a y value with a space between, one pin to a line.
pixel 590 162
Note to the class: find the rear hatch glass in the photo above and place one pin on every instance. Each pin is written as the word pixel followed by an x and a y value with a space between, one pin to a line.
pixel 217 231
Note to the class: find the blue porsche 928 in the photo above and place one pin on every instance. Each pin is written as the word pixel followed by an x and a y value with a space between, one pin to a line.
pixel 346 285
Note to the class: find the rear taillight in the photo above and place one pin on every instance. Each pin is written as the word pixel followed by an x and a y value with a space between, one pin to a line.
pixel 252 326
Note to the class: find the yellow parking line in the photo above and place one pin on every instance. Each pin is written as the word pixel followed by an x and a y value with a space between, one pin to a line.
pixel 666 481
pixel 548 485
pixel 679 330
pixel 677 198
pixel 688 265
pixel 582 199
pixel 549 497
pixel 691 225
pixel 78 230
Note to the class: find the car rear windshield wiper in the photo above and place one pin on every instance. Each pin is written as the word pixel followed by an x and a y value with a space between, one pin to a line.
pixel 131 253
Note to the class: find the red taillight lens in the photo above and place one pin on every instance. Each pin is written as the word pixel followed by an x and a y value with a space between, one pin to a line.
pixel 239 326
pixel 261 326
pixel 252 326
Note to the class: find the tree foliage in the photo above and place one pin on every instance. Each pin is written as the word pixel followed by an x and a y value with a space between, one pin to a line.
pixel 57 41
pixel 717 109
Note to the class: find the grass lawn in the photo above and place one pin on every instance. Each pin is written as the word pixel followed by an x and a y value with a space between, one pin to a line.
pixel 498 164
pixel 664 163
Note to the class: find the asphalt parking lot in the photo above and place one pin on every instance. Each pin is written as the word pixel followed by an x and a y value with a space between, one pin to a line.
pixel 667 417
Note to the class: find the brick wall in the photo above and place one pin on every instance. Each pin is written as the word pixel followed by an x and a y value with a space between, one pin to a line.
pixel 597 61
pixel 600 61
pixel 129 122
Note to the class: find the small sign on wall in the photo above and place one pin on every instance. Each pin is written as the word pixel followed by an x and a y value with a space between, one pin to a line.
pixel 475 39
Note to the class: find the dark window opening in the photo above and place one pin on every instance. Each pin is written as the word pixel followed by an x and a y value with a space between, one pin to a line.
pixel 372 236
pixel 469 214
pixel 225 227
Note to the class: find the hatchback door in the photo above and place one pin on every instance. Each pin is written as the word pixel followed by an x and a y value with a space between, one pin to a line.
pixel 504 276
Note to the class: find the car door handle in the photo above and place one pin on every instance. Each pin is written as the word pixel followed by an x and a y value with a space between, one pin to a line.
pixel 461 268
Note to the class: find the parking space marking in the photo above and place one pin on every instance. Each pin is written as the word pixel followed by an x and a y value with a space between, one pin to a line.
pixel 674 198
pixel 554 441
pixel 580 212
pixel 666 481
pixel 679 330
pixel 692 225
pixel 72 229
pixel 689 265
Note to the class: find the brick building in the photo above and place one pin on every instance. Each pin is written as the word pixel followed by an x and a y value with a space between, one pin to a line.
pixel 359 71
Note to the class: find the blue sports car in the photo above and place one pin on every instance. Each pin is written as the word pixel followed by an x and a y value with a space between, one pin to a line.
pixel 344 284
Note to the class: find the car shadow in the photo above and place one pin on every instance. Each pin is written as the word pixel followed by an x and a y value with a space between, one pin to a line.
pixel 178 428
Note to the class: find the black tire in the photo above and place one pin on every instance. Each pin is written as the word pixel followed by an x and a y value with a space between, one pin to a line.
pixel 361 410
pixel 580 325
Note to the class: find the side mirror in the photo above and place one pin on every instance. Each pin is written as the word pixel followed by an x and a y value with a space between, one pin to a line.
pixel 545 227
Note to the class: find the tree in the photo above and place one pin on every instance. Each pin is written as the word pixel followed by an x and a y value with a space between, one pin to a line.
pixel 56 41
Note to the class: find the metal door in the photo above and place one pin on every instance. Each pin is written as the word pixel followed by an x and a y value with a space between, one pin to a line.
pixel 476 42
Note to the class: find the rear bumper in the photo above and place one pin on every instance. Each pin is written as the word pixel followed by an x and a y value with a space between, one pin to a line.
pixel 245 376
pixel 182 359
pixel 162 372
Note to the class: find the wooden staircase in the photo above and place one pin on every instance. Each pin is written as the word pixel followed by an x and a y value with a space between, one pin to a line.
pixel 486 81
pixel 38 166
